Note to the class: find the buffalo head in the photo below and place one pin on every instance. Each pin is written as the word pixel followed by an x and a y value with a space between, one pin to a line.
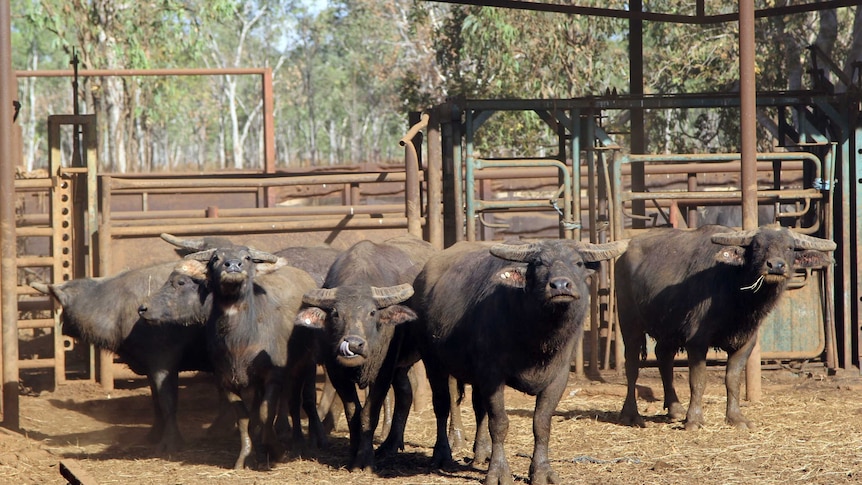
pixel 771 253
pixel 359 320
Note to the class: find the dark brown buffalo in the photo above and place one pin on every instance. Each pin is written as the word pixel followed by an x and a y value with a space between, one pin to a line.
pixel 104 312
pixel 360 311
pixel 498 316
pixel 248 332
pixel 693 290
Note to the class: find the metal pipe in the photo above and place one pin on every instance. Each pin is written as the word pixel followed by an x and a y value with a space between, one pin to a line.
pixel 119 182
pixel 8 268
pixel 412 200
pixel 434 179
pixel 748 129
pixel 264 227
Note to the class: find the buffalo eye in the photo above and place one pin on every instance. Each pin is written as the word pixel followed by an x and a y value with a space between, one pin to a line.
pixel 181 282
pixel 579 264
pixel 372 313
pixel 333 313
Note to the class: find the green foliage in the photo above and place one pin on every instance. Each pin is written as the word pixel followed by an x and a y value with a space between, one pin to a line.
pixel 346 76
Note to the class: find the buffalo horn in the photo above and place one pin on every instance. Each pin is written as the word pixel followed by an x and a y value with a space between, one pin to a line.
pixel 514 252
pixel 736 238
pixel 808 242
pixel 391 295
pixel 196 244
pixel 263 256
pixel 601 252
pixel 41 287
pixel 201 255
pixel 320 297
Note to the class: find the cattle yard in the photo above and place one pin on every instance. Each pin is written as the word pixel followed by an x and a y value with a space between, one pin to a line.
pixel 84 406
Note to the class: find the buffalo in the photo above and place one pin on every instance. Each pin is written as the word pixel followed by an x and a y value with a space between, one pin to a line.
pixel 693 290
pixel 500 315
pixel 248 332
pixel 185 299
pixel 103 312
pixel 360 311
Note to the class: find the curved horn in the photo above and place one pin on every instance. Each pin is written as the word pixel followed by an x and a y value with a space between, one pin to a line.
pixel 391 295
pixel 601 252
pixel 320 297
pixel 736 238
pixel 514 252
pixel 196 244
pixel 262 256
pixel 41 287
pixel 201 255
pixel 810 242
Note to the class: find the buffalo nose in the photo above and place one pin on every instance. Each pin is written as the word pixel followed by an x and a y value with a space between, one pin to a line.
pixel 233 265
pixel 351 346
pixel 560 284
pixel 775 265
pixel 142 309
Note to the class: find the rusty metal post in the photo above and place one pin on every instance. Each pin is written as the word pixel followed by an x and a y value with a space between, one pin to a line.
pixel 434 179
pixel 748 122
pixel 8 265
pixel 412 197
pixel 268 134
pixel 106 358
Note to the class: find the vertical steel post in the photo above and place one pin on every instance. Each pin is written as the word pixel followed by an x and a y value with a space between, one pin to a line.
pixel 748 125
pixel 268 134
pixel 433 176
pixel 8 265
pixel 636 89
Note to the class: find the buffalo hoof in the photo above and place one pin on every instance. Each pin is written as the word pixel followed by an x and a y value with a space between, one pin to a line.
pixel 632 419
pixel 543 475
pixel 442 460
pixel 676 411
pixel 740 422
pixel 388 448
pixel 499 475
pixel 693 425
pixel 170 445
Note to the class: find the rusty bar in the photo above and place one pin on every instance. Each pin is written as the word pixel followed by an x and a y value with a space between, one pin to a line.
pixel 142 72
pixel 106 370
pixel 264 227
pixel 308 211
pixel 636 88
pixel 434 181
pixel 8 268
pixel 748 127
pixel 268 133
pixel 124 182
pixel 412 200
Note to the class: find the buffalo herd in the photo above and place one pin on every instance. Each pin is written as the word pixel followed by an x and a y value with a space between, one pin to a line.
pixel 490 315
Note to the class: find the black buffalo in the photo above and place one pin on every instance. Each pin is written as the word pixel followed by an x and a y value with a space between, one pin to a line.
pixel 693 290
pixel 104 312
pixel 185 299
pixel 248 332
pixel 359 308
pixel 504 315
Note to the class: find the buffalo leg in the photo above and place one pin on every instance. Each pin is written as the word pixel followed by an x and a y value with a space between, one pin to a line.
pixel 482 442
pixel 633 345
pixel 369 418
pixel 664 354
pixel 271 447
pixel 733 381
pixel 541 472
pixel 316 433
pixel 697 384
pixel 439 381
pixel 164 388
pixel 403 391
pixel 456 426
pixel 242 424
pixel 499 472
pixel 325 409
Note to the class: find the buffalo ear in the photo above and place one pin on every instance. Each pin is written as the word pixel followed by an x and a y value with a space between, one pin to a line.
pixel 396 315
pixel 811 259
pixel 512 276
pixel 311 317
pixel 732 255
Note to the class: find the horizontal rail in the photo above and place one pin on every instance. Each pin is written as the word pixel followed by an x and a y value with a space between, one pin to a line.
pixel 253 227
pixel 336 210
pixel 119 183
pixel 35 323
pixel 37 363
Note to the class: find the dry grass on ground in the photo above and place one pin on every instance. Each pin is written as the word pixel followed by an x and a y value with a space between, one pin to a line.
pixel 809 431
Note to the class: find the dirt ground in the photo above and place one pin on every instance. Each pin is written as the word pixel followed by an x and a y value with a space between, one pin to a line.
pixel 809 431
